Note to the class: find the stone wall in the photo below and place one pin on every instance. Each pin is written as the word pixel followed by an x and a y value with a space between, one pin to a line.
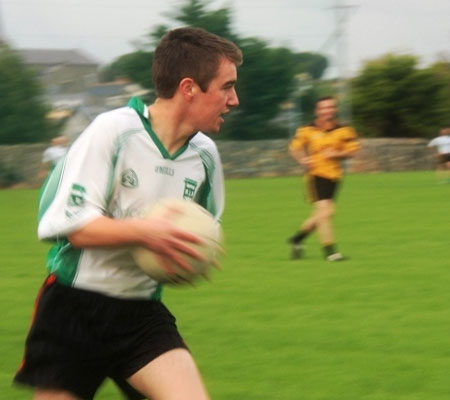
pixel 257 158
pixel 21 162
pixel 271 158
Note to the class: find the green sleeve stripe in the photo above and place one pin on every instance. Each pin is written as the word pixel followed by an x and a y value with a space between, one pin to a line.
pixel 50 188
pixel 207 196
pixel 205 156
pixel 117 148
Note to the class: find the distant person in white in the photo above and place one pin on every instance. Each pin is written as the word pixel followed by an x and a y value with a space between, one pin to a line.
pixel 441 144
pixel 52 155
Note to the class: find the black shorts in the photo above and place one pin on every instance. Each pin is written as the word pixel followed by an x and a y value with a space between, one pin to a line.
pixel 78 338
pixel 319 188
pixel 444 158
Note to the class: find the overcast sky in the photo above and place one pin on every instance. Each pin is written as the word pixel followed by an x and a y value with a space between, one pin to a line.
pixel 106 29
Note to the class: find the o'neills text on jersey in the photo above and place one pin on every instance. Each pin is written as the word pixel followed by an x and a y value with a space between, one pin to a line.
pixel 165 170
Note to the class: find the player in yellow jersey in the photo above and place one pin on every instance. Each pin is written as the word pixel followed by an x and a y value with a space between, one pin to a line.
pixel 320 148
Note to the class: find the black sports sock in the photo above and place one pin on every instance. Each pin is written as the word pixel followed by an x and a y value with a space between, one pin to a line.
pixel 329 249
pixel 299 236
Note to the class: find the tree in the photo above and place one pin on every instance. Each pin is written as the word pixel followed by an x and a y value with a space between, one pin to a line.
pixel 266 79
pixel 441 70
pixel 392 97
pixel 136 66
pixel 195 13
pixel 22 111
pixel 311 63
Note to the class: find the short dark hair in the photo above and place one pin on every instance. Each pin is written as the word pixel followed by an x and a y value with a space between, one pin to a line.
pixel 323 98
pixel 190 52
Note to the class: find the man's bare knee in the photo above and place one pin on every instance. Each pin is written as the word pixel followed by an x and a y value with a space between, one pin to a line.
pixel 171 376
pixel 50 394
pixel 324 210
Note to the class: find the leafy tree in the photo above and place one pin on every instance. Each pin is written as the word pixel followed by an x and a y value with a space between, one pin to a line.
pixel 441 70
pixel 135 66
pixel 392 97
pixel 311 63
pixel 266 79
pixel 157 34
pixel 195 13
pixel 22 111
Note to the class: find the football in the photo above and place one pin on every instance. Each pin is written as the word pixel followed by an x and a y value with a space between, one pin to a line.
pixel 193 218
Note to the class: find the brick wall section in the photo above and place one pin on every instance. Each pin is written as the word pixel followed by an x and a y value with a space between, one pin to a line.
pixel 261 158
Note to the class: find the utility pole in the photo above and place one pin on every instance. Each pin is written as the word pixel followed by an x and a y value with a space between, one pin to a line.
pixel 342 57
pixel 1 25
pixel 2 33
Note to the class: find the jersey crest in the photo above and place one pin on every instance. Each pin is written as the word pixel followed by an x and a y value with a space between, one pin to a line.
pixel 76 200
pixel 129 179
pixel 189 188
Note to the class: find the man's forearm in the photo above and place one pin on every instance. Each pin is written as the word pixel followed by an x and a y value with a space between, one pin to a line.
pixel 105 231
pixel 298 155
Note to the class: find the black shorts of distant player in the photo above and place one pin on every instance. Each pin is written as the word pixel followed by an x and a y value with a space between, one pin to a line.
pixel 319 188
pixel 444 158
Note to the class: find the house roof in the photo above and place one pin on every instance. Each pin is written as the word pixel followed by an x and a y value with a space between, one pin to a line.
pixel 55 57
pixel 106 90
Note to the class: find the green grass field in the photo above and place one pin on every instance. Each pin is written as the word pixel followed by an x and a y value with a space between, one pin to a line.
pixel 376 327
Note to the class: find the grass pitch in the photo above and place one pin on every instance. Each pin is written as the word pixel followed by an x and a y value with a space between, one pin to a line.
pixel 375 327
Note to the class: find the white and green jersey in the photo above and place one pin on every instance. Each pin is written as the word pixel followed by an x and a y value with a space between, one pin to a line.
pixel 116 168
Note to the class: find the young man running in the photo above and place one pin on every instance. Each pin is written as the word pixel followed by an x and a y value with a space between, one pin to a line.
pixel 320 149
pixel 98 315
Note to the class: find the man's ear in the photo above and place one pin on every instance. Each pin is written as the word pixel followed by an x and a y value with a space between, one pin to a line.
pixel 188 88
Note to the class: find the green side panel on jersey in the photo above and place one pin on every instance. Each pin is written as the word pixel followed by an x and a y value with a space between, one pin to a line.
pixel 50 188
pixel 136 104
pixel 63 260
pixel 206 192
pixel 157 294
pixel 207 196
